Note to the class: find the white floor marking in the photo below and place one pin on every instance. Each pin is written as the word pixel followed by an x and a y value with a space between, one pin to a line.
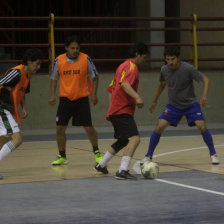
pixel 191 187
pixel 183 150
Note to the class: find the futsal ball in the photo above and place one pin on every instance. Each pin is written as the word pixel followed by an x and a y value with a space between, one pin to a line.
pixel 149 170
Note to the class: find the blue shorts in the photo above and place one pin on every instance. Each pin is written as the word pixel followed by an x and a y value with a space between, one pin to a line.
pixel 173 114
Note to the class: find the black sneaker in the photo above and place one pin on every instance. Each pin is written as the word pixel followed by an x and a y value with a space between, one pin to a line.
pixel 101 169
pixel 124 175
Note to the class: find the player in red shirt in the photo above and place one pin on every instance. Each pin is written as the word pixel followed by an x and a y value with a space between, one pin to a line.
pixel 121 102
pixel 124 98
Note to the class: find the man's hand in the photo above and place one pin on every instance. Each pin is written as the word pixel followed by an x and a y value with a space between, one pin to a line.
pixel 52 100
pixel 139 102
pixel 152 107
pixel 94 99
pixel 204 101
pixel 24 113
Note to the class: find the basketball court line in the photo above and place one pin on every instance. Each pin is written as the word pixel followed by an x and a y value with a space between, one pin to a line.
pixel 190 187
pixel 183 150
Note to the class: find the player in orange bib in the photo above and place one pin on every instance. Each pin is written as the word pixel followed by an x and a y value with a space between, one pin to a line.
pixel 73 70
pixel 13 86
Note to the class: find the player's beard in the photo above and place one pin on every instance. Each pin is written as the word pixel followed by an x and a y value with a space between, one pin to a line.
pixel 74 56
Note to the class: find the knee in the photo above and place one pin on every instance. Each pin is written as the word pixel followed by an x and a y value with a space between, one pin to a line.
pixel 135 140
pixel 159 129
pixel 161 126
pixel 90 130
pixel 201 127
pixel 119 144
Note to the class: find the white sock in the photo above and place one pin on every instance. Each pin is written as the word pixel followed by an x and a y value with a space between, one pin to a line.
pixel 6 149
pixel 124 163
pixel 106 158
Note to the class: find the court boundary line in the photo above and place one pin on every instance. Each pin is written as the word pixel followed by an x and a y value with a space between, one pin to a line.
pixel 184 150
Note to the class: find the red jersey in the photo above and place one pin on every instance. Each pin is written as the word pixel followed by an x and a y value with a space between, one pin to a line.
pixel 121 102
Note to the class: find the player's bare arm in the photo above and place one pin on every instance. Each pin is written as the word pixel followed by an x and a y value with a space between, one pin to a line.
pixel 159 90
pixel 24 112
pixel 52 99
pixel 94 98
pixel 204 100
pixel 131 92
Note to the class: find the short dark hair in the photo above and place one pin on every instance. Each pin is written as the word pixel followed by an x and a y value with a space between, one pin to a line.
pixel 72 39
pixel 139 48
pixel 32 54
pixel 172 50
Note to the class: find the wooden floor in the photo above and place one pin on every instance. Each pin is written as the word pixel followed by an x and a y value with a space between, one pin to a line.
pixel 31 161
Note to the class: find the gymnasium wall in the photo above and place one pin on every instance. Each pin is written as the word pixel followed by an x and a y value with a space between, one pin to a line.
pixel 42 115
pixel 204 8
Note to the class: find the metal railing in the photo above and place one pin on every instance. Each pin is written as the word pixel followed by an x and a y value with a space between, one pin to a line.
pixel 51 30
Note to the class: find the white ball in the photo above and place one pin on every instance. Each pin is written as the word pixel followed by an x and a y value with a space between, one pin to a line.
pixel 149 170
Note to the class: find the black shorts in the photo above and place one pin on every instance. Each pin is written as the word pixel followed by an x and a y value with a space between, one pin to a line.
pixel 124 126
pixel 79 110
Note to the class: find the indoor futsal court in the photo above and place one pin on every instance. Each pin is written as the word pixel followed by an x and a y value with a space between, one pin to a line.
pixel 188 188
pixel 111 42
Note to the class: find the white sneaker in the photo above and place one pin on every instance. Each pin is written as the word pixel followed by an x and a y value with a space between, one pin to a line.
pixel 137 165
pixel 215 159
pixel 146 159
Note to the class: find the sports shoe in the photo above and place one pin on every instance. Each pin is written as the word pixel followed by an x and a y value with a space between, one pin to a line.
pixel 98 156
pixel 137 165
pixel 101 169
pixel 145 159
pixel 1 177
pixel 59 161
pixel 124 175
pixel 215 159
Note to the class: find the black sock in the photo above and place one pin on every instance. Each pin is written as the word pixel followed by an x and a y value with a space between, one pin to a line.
pixel 62 153
pixel 95 148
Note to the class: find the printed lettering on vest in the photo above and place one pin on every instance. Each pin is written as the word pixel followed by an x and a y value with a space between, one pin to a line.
pixel 74 80
pixel 71 72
